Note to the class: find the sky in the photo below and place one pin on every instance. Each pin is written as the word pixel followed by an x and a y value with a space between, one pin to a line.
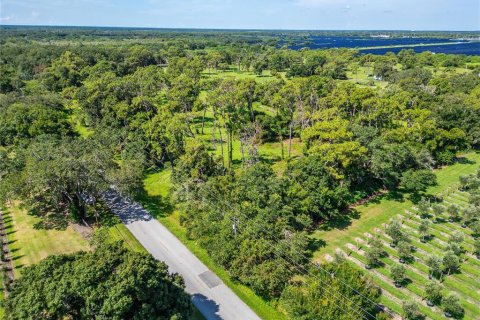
pixel 248 14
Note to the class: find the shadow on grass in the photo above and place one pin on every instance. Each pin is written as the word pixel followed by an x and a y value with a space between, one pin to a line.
pixel 315 244
pixel 157 206
pixel 51 222
pixel 341 222
pixel 464 160
pixel 17 257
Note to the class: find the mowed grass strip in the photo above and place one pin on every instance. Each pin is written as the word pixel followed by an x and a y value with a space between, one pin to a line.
pixel 119 232
pixel 29 245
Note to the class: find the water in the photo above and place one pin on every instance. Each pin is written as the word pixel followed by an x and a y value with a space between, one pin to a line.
pixel 456 46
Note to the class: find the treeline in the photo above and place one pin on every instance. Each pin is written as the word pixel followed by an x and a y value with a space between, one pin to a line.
pixel 47 33
pixel 146 106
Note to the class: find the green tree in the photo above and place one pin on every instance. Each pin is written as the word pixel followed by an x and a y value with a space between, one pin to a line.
pixel 404 251
pixel 476 247
pixel 434 264
pixel 394 231
pixel 411 310
pixel 433 292
pixel 314 190
pixel 109 282
pixel 451 262
pixel 397 272
pixel 452 306
pixel 417 180
pixel 301 299
pixel 423 229
pixel 453 211
pixel 438 211
pixel 424 207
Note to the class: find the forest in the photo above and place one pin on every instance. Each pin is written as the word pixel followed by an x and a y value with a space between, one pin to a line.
pixel 265 144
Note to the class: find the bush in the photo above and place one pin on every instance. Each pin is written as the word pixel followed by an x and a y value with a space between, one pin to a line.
pixel 451 305
pixel 433 292
pixel 397 273
pixel 411 310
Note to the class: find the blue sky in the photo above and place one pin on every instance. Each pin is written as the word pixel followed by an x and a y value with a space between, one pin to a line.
pixel 248 14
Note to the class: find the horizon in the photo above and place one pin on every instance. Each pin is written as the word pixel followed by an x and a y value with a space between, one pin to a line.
pixel 225 29
pixel 408 15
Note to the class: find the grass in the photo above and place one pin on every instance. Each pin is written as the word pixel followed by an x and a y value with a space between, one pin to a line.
pixel 370 218
pixel 155 200
pixel 120 232
pixel 29 245
pixel 74 119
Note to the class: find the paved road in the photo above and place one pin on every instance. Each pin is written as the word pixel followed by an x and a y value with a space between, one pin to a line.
pixel 209 294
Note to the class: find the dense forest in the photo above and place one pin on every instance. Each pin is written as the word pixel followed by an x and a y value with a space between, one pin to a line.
pixel 79 117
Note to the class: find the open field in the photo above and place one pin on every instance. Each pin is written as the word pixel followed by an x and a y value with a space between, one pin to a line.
pixel 351 237
pixel 29 245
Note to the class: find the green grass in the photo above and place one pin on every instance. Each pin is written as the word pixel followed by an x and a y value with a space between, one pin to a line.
pixel 29 245
pixel 155 200
pixel 374 214
pixel 74 119
pixel 120 232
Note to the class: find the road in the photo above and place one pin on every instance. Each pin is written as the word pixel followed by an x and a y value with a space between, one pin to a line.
pixel 209 294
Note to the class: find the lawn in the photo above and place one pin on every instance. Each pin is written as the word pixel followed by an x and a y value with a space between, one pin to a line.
pixel 351 237
pixel 29 245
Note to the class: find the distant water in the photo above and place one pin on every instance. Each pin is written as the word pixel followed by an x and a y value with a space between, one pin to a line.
pixel 323 42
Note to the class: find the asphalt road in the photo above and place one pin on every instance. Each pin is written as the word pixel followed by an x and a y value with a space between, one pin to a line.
pixel 209 294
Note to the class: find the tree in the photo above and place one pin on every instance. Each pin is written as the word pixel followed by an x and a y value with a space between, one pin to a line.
pixel 373 257
pixel 423 229
pixel 314 190
pixel 452 306
pixel 433 292
pixel 456 237
pixel 301 298
pixel 404 251
pixel 434 264
pixel 475 227
pixel 192 170
pixel 394 231
pixel 397 272
pixel 330 138
pixel 453 211
pixel 438 211
pixel 451 262
pixel 411 310
pixel 64 174
pixel 109 282
pixel 416 181
pixel 476 247
pixel 424 207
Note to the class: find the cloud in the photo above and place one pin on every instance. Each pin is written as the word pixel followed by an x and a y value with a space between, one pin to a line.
pixel 7 18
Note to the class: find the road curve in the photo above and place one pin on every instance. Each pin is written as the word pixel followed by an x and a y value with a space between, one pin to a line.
pixel 209 294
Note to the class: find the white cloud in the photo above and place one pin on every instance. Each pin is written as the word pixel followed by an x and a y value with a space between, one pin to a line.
pixel 7 18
